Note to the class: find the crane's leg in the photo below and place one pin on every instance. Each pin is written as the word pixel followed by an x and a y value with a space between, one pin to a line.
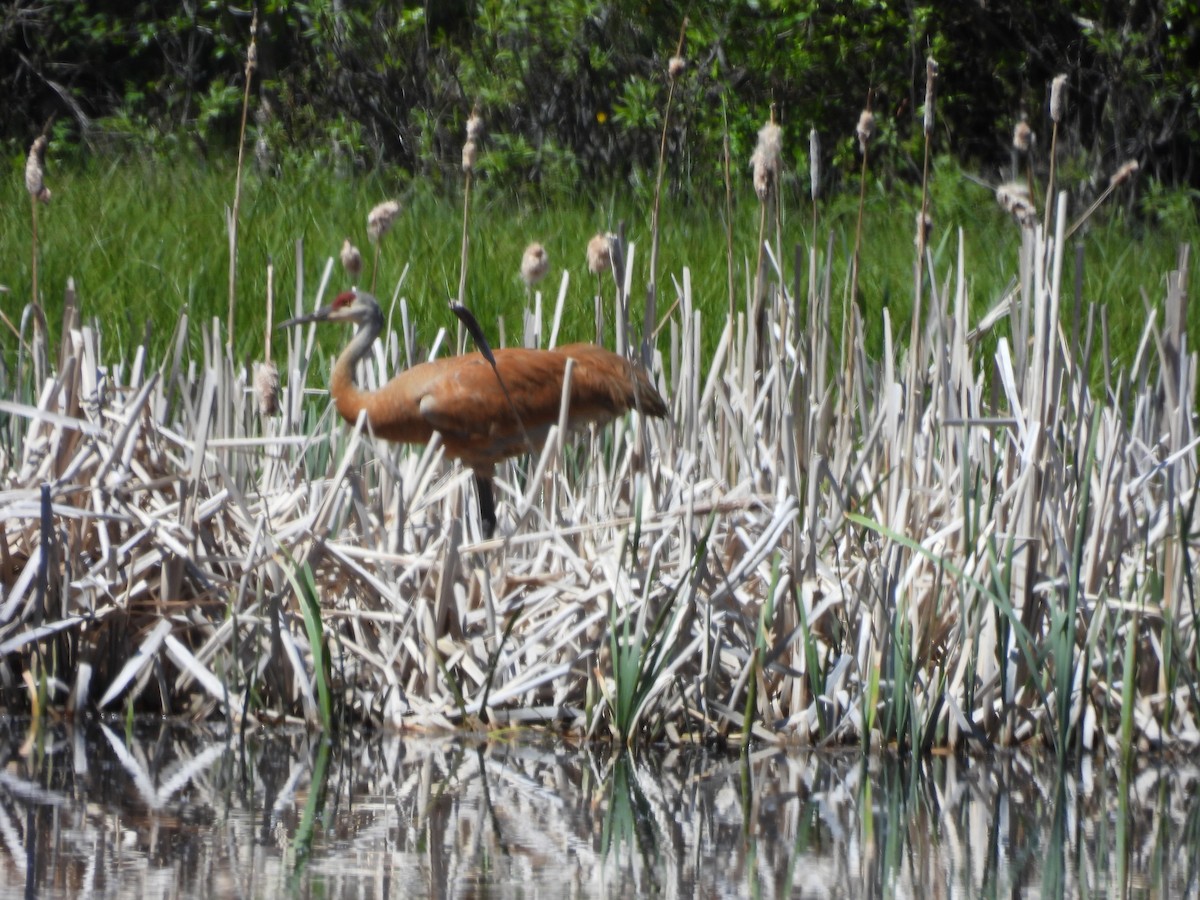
pixel 487 504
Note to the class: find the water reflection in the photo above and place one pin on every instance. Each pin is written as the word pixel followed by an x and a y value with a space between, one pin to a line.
pixel 166 810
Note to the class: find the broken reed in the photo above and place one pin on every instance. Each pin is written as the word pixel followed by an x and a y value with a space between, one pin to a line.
pixel 1003 558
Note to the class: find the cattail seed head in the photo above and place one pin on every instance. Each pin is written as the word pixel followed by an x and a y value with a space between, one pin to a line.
pixel 351 260
pixel 251 57
pixel 469 155
pixel 266 388
pixel 35 174
pixel 1022 137
pixel 535 263
pixel 474 127
pixel 865 129
pixel 767 159
pixel 931 70
pixel 1058 99
pixel 1014 198
pixel 1123 174
pixel 599 253
pixel 380 219
pixel 924 228
pixel 676 66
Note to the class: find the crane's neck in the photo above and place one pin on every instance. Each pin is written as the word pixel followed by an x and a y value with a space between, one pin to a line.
pixel 345 391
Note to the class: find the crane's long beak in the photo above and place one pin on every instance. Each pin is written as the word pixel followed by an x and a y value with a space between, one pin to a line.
pixel 321 315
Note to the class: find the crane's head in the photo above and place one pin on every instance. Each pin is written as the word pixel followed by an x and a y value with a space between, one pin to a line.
pixel 354 306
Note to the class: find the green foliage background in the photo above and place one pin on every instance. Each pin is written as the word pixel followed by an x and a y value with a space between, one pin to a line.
pixel 575 88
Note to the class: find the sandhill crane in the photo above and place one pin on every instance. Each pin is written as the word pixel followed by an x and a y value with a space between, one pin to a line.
pixel 461 398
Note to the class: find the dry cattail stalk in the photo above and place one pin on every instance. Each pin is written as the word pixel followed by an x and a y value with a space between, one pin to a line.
pixel 534 264
pixel 931 70
pixel 1058 100
pixel 814 163
pixel 1022 137
pixel 599 253
pixel 1013 197
pixel 380 219
pixel 767 159
pixel 351 260
pixel 266 387
pixel 865 129
pixel 35 173
pixel 1123 174
pixel 470 153
pixel 676 66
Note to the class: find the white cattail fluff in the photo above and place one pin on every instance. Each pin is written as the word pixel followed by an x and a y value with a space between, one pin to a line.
pixel 1014 199
pixel 469 156
pixel 1022 137
pixel 865 129
pixel 266 388
pixel 767 159
pixel 814 163
pixel 35 174
pixel 676 67
pixel 351 260
pixel 535 263
pixel 931 71
pixel 1123 174
pixel 599 253
pixel 474 127
pixel 380 219
pixel 1058 99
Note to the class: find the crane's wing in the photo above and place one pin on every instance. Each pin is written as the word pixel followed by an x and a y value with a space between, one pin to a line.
pixel 462 398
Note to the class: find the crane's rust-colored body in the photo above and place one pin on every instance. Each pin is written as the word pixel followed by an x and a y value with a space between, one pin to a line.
pixel 462 399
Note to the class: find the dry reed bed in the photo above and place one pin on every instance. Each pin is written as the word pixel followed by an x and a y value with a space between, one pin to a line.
pixel 940 548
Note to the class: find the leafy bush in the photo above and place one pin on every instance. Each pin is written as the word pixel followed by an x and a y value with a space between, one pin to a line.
pixel 575 88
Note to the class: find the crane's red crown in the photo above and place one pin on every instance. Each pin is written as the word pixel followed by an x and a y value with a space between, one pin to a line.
pixel 344 299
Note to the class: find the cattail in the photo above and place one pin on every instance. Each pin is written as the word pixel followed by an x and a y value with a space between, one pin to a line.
pixel 814 163
pixel 1022 137
pixel 351 260
pixel 924 228
pixel 35 174
pixel 1123 174
pixel 469 155
pixel 676 66
pixel 599 253
pixel 1013 197
pixel 931 70
pixel 266 387
pixel 1058 100
pixel 380 219
pixel 534 264
pixel 767 158
pixel 252 56
pixel 474 126
pixel 865 129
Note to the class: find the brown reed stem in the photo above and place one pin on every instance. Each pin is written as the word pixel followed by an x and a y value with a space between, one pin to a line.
pixel 466 241
pixel 270 308
pixel 33 204
pixel 652 288
pixel 251 62
pixel 728 214
pixel 862 199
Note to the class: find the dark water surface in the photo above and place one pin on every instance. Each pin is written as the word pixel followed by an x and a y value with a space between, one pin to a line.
pixel 185 811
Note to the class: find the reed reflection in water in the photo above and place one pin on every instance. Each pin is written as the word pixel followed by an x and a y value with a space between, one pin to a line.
pixel 170 811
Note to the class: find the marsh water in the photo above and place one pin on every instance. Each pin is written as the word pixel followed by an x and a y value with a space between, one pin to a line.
pixel 166 810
